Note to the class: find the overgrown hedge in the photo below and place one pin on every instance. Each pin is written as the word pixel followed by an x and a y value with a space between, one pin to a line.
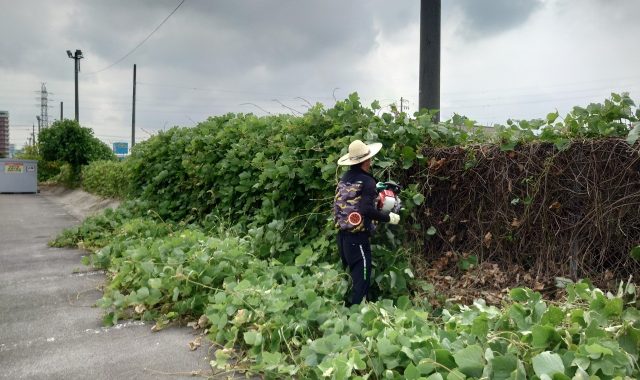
pixel 487 195
pixel 109 179
pixel 274 177
pixel 572 213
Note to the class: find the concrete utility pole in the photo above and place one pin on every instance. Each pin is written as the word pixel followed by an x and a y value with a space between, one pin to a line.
pixel 429 91
pixel 61 113
pixel 76 58
pixel 133 114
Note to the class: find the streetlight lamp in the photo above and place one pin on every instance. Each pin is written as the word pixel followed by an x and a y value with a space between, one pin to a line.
pixel 76 58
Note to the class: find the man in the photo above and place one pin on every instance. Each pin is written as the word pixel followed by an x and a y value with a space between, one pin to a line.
pixel 355 215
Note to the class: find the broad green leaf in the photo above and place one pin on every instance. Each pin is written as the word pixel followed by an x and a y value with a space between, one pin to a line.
pixel 520 373
pixel 544 336
pixel 467 262
pixel 456 375
pixel 411 372
pixel 634 134
pixel 431 231
pixel 581 375
pixel 221 360
pixel 594 330
pixel 553 316
pixel 305 257
pixel 480 327
pixel 547 363
pixel 176 294
pixel 504 366
pixel 309 296
pixel 155 283
pixel 508 146
pixel 551 117
pixel 470 360
pixel 142 294
pixel 426 366
pixel 635 253
pixel 386 348
pixel 519 295
pixel 253 338
pixel 406 348
pixel 271 358
pixel 596 351
pixel 519 315
pixel 403 303
pixel 613 307
pixel 355 357
pixel 148 266
pixel 418 199
pixel 445 358
pixel 408 153
pixel 630 340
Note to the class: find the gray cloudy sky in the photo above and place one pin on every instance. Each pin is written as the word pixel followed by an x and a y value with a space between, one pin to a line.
pixel 500 58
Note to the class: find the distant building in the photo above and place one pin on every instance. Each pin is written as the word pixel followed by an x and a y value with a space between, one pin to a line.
pixel 12 150
pixel 4 134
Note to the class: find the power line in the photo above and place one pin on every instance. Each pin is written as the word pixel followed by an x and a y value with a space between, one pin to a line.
pixel 555 85
pixel 193 88
pixel 140 44
pixel 490 105
pixel 530 96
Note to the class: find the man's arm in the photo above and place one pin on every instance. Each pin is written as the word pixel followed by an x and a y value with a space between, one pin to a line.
pixel 367 203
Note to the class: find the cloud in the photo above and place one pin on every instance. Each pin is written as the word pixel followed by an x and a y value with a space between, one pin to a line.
pixel 487 18
pixel 213 56
pixel 561 57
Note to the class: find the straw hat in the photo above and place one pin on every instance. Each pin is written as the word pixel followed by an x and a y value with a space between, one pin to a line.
pixel 359 152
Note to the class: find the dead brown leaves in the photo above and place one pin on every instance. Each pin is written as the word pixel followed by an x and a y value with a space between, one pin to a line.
pixel 488 281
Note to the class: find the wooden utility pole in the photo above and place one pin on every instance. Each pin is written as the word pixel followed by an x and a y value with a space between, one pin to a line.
pixel 429 91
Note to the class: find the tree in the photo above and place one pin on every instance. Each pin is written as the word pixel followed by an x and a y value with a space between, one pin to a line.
pixel 67 141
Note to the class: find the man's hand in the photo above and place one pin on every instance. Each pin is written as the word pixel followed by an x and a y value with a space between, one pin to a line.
pixel 394 218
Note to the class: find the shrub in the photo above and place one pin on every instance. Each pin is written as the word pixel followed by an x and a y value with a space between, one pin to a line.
pixel 66 141
pixel 106 178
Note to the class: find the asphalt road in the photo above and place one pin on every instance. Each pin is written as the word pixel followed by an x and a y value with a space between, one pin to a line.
pixel 49 328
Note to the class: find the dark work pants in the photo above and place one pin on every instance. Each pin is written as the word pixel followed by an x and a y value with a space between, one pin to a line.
pixel 355 252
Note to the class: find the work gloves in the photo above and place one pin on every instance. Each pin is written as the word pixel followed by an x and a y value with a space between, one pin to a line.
pixel 394 218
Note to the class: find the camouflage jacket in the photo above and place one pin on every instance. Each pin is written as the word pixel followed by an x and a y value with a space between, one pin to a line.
pixel 354 203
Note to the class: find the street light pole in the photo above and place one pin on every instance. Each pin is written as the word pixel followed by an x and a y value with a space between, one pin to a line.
pixel 76 58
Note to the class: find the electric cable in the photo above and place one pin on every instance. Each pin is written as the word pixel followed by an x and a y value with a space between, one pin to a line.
pixel 140 44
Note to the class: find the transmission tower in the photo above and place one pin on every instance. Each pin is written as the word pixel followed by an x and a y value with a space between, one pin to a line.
pixel 44 106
